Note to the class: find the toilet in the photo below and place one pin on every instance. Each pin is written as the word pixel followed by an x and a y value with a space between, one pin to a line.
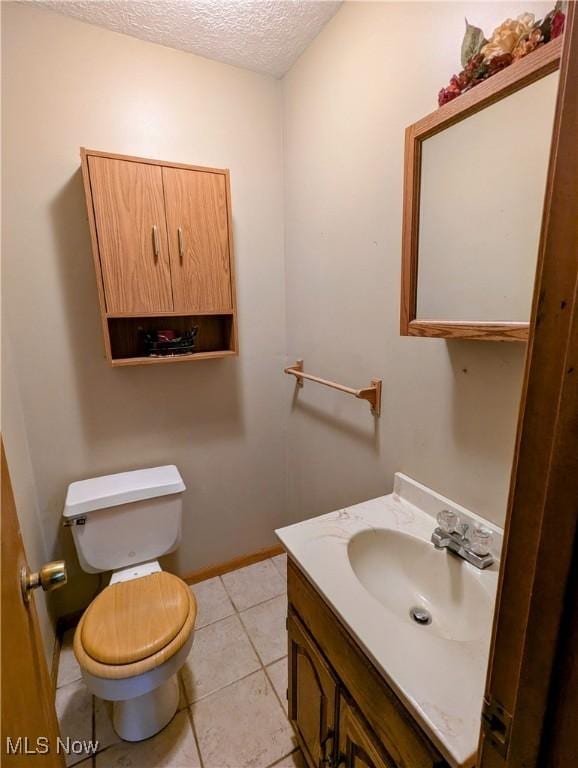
pixel 137 633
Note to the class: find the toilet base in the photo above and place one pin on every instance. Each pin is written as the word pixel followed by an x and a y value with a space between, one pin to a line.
pixel 143 716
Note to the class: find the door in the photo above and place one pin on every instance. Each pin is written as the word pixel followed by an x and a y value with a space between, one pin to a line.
pixel 27 695
pixel 358 747
pixel 130 220
pixel 198 231
pixel 312 697
pixel 530 716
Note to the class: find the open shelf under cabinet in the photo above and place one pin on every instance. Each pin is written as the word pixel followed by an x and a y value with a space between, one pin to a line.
pixel 215 337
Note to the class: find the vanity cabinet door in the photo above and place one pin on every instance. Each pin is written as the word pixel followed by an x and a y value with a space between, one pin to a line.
pixel 198 231
pixel 129 213
pixel 312 697
pixel 358 747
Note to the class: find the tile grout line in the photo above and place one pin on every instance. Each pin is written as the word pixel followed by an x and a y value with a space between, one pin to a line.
pixel 230 599
pixel 293 751
pixel 264 602
pixel 189 705
pixel 284 706
pixel 235 611
pixel 189 710
pixel 195 736
pixel 240 610
pixel 282 574
pixel 264 666
pixel 286 713
pixel 261 663
pixel 222 688
pixel 192 719
pixel 264 669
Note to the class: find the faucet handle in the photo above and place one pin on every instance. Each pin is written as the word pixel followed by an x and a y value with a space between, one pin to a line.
pixel 481 541
pixel 448 521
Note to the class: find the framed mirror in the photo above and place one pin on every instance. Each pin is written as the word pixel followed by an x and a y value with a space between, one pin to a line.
pixel 475 178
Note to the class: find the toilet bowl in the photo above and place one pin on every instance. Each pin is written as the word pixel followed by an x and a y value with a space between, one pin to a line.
pixel 130 643
pixel 137 633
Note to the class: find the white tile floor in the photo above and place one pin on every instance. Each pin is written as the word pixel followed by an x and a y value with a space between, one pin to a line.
pixel 233 709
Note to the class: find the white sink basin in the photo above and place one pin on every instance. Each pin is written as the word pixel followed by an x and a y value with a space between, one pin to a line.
pixel 403 572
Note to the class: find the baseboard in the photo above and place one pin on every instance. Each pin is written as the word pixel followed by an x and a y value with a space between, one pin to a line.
pixel 55 657
pixel 68 621
pixel 232 565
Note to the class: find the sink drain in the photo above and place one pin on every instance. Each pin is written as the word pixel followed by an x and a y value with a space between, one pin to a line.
pixel 420 615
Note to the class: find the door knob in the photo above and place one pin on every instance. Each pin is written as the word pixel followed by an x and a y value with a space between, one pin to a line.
pixel 50 576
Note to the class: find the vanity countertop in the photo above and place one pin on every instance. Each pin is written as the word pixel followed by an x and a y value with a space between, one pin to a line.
pixel 440 679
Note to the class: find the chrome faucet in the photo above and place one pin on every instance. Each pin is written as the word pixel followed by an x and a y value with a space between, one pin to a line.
pixel 471 543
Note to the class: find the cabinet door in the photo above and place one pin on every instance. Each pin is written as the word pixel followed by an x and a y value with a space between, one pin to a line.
pixel 129 212
pixel 312 697
pixel 198 230
pixel 358 747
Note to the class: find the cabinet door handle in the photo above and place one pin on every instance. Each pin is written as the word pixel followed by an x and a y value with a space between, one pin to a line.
pixel 156 245
pixel 180 239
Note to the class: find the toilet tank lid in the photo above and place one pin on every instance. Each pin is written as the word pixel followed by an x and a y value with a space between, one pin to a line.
pixel 125 487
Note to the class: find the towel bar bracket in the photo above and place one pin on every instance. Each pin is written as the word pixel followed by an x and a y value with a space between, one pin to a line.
pixel 298 367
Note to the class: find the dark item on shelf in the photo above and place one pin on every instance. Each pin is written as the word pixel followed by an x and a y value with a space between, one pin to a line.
pixel 166 343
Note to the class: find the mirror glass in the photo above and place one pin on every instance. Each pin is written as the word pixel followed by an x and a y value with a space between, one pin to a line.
pixel 482 192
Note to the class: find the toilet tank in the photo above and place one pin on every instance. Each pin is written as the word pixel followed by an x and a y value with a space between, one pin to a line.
pixel 124 519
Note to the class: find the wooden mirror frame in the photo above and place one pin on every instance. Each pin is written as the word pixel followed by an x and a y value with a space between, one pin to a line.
pixel 541 62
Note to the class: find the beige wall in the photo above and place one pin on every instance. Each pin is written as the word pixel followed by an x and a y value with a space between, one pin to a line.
pixel 14 436
pixel 449 408
pixel 68 84
pixel 252 457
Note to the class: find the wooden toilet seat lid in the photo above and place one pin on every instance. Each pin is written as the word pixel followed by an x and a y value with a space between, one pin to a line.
pixel 132 620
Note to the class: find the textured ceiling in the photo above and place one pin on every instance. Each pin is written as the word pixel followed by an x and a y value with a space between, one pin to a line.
pixel 263 35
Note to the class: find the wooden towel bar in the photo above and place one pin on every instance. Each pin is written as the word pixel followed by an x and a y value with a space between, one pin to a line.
pixel 372 393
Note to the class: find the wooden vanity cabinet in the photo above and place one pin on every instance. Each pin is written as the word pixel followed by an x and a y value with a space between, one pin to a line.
pixel 163 253
pixel 342 710
pixel 358 747
pixel 312 695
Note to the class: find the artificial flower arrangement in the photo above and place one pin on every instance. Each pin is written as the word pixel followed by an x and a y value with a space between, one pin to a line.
pixel 512 40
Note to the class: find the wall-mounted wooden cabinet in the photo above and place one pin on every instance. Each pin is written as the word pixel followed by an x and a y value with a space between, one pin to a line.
pixel 163 253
